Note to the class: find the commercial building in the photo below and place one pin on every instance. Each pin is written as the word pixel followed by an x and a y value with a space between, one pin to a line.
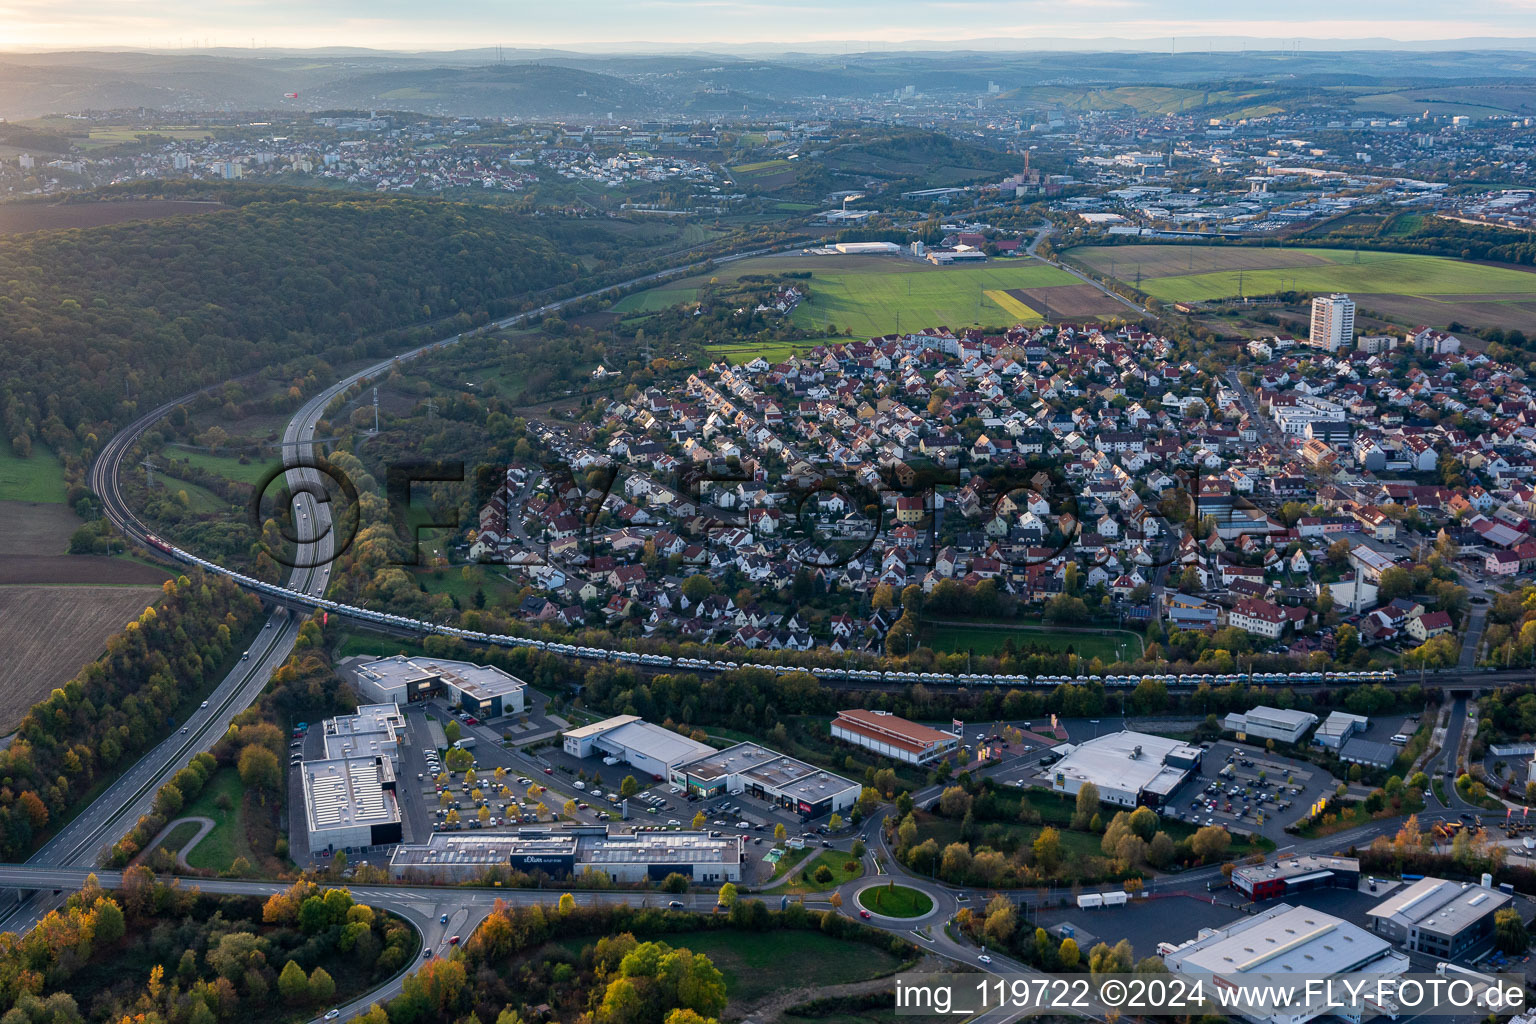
pixel 374 731
pixel 1369 752
pixel 1438 917
pixel 647 748
pixel 1266 723
pixel 479 689
pixel 349 802
pixel 1296 874
pixel 1129 768
pixel 762 773
pixel 893 737
pixel 562 853
pixel 1333 322
pixel 1287 941
pixel 1338 727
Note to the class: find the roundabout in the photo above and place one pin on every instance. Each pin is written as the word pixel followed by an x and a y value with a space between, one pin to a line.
pixel 898 902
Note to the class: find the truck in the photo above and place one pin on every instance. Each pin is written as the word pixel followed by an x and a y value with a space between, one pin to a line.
pixel 795 844
pixel 467 743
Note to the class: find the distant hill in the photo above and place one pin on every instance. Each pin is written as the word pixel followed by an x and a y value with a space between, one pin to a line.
pixel 494 90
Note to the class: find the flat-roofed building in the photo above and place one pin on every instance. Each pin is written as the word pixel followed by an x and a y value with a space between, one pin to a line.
pixel 757 771
pixel 483 690
pixel 1338 727
pixel 1438 917
pixel 893 737
pixel 350 802
pixel 374 731
pixel 1129 768
pixel 1296 874
pixel 562 853
pixel 646 747
pixel 1282 725
pixel 1289 942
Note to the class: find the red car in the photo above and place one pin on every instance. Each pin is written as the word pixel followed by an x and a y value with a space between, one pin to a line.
pixel 549 771
pixel 471 721
pixel 453 941
pixel 864 913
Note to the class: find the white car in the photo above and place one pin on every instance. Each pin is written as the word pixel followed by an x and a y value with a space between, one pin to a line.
pixel 984 958
pixel 204 704
pixel 332 1014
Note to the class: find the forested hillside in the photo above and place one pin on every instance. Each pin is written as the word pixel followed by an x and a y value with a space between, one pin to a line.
pixel 96 324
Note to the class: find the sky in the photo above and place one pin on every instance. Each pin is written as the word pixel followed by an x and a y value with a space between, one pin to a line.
pixel 620 24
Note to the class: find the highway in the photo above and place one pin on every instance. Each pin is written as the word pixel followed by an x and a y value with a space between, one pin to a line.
pixel 64 862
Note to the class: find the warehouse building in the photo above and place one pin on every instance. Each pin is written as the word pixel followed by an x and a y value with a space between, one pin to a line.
pixel 757 771
pixel 563 853
pixel 1339 727
pixel 893 737
pixel 1296 874
pixel 349 802
pixel 482 690
pixel 1265 723
pixel 374 731
pixel 1438 917
pixel 647 748
pixel 1289 941
pixel 1129 768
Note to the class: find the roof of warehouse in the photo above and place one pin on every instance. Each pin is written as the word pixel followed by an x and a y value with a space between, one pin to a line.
pixel 655 742
pixel 344 791
pixel 1440 905
pixel 1111 760
pixel 1284 939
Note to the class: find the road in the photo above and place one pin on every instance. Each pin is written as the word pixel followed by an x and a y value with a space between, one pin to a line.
pixel 64 862
pixel 1041 234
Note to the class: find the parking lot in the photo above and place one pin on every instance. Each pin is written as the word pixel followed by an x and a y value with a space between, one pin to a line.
pixel 1241 786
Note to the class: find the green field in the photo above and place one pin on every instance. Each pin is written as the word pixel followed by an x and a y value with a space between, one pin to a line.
pixel 226 841
pixel 655 299
pixel 752 963
pixel 199 499
pixel 1176 273
pixel 835 861
pixel 883 295
pixel 773 351
pixel 893 900
pixel 179 836
pixel 38 477
pixel 227 466
pixel 1110 645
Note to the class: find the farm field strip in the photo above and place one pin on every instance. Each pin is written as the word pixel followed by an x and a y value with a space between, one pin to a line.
pixel 1013 307
pixel 871 303
pixel 1221 272
pixel 49 632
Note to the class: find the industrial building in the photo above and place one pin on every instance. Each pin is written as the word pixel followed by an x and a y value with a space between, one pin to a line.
pixel 1296 874
pixel 349 794
pixel 1438 917
pixel 1129 768
pixel 1338 727
pixel 1371 752
pixel 482 690
pixel 1266 723
pixel 647 748
pixel 374 731
pixel 893 737
pixel 757 771
pixel 1287 941
pixel 349 802
pixel 562 853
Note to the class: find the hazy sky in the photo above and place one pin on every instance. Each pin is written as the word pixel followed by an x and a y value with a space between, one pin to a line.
pixel 396 24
